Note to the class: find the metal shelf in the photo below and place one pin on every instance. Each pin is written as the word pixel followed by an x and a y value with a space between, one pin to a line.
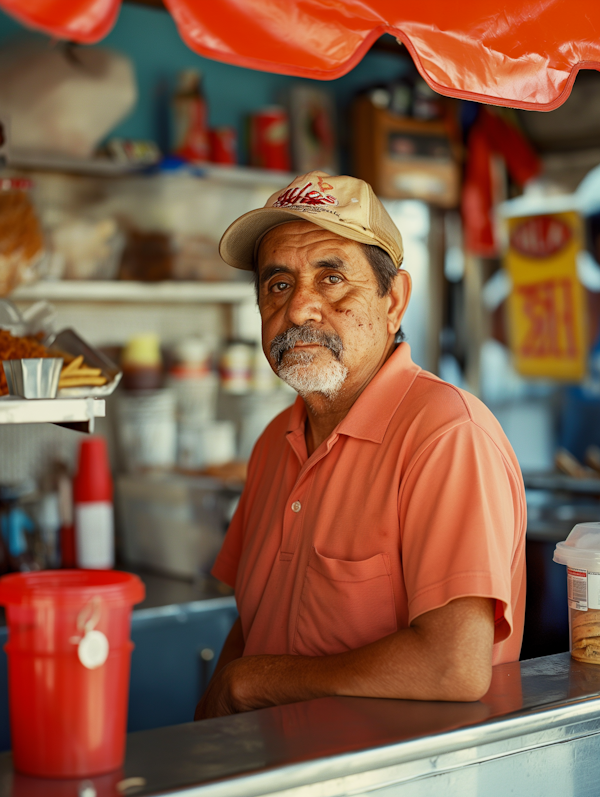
pixel 245 175
pixel 19 159
pixel 73 413
pixel 169 292
pixel 104 167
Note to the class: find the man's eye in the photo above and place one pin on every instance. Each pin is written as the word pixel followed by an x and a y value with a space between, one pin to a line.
pixel 277 287
pixel 333 279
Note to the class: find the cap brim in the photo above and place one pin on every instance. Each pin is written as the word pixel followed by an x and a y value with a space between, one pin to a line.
pixel 238 244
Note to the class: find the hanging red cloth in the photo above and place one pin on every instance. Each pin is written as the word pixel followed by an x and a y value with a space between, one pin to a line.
pixel 519 53
pixel 491 135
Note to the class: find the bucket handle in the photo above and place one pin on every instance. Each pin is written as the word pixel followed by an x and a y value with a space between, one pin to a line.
pixel 88 618
pixel 92 645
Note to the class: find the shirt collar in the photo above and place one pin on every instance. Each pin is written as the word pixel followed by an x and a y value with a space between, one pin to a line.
pixel 372 412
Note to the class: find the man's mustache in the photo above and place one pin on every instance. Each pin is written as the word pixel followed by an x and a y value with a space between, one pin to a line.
pixel 288 339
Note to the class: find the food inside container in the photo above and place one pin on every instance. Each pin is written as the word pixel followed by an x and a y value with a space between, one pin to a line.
pixel 86 248
pixel 580 552
pixel 13 347
pixel 21 241
pixel 85 371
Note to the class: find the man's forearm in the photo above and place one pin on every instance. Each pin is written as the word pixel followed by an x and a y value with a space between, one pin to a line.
pixel 233 647
pixel 428 661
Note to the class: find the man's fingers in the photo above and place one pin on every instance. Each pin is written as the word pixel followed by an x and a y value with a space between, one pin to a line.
pixel 214 703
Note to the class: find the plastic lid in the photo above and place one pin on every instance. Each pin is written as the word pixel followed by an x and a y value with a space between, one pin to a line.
pixel 581 548
pixel 71 586
pixel 191 350
pixel 143 350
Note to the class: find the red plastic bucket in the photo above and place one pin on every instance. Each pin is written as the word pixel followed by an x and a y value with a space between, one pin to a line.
pixel 69 653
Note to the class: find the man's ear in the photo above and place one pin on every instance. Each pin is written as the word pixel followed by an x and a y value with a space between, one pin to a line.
pixel 398 298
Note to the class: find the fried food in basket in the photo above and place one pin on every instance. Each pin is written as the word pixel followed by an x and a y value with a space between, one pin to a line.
pixel 75 371
pixel 77 374
pixel 13 348
pixel 585 636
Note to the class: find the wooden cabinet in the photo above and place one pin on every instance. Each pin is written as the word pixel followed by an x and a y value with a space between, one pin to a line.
pixel 405 158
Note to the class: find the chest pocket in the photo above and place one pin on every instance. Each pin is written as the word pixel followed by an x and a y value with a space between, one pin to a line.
pixel 344 605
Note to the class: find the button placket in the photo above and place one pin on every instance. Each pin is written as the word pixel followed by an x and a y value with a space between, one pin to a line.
pixel 294 515
pixel 293 521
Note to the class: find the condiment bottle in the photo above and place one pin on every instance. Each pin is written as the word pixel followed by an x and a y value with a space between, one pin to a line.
pixel 192 380
pixel 236 367
pixel 142 363
pixel 17 528
pixel 49 522
pixel 93 494
pixel 190 117
pixel 68 558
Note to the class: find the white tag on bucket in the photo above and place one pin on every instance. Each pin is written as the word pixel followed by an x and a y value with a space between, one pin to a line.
pixel 93 649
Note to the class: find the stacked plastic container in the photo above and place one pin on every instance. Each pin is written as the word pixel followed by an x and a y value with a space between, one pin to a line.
pixel 580 552
pixel 69 653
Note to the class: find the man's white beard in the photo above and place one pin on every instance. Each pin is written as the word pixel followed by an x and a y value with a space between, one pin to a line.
pixel 306 376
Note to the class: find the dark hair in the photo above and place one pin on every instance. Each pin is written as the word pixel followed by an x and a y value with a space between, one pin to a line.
pixel 383 267
pixel 385 273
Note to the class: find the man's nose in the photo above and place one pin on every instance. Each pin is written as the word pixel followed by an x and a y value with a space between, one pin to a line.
pixel 304 306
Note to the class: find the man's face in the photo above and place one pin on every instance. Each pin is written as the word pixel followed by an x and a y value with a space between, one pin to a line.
pixel 325 329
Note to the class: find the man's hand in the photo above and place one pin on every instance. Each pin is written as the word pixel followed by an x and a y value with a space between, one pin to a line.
pixel 219 700
pixel 243 685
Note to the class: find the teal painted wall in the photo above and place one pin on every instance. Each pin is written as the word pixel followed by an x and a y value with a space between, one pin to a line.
pixel 149 37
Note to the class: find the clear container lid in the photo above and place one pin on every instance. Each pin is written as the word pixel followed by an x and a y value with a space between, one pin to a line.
pixel 581 549
pixel 193 351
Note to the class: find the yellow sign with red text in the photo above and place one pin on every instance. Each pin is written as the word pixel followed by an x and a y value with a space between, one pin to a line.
pixel 547 305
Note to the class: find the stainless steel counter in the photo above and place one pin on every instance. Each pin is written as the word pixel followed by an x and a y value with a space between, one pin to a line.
pixel 535 733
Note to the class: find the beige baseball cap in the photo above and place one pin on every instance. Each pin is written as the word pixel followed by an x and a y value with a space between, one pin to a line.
pixel 343 205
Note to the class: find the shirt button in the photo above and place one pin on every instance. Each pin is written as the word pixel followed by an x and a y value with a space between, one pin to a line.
pixel 296 506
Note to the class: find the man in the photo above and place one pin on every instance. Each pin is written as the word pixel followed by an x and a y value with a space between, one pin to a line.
pixel 378 547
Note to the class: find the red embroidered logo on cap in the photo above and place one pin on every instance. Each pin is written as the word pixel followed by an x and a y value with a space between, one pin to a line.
pixel 309 200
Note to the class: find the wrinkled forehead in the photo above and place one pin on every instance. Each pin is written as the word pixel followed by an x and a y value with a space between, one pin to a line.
pixel 297 235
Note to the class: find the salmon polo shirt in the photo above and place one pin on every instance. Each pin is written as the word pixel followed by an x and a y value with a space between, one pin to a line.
pixel 415 499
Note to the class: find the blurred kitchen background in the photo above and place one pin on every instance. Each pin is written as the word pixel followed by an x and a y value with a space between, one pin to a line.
pixel 126 161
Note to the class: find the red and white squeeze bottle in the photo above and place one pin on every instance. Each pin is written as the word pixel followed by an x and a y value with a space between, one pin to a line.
pixel 93 502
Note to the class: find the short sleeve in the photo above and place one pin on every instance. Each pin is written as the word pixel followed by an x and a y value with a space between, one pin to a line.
pixel 460 509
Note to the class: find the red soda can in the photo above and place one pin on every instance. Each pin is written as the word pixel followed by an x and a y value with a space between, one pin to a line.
pixel 270 139
pixel 223 145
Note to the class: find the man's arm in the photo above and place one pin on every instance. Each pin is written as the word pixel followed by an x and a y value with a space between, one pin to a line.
pixel 233 647
pixel 446 654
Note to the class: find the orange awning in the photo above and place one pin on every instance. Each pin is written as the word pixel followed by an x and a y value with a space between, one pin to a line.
pixel 520 53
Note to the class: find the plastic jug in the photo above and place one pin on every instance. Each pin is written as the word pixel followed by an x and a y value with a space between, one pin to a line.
pixel 69 653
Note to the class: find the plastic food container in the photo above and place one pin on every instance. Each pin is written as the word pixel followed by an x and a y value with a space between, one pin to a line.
pixel 580 552
pixel 69 653
pixel 21 239
pixel 33 378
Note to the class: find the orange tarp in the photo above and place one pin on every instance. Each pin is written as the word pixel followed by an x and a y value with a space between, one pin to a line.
pixel 520 53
